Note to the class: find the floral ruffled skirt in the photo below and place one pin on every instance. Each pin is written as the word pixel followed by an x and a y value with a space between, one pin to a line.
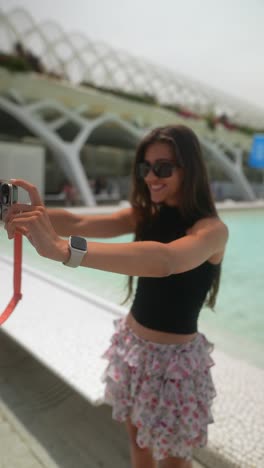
pixel 166 390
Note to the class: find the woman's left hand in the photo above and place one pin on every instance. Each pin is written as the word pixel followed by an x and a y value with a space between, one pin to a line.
pixel 33 222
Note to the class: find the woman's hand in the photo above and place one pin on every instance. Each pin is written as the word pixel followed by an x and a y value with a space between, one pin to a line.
pixel 33 222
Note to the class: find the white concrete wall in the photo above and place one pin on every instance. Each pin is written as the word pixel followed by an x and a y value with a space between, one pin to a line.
pixel 23 161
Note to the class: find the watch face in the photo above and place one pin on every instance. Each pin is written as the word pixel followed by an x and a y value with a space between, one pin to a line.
pixel 78 243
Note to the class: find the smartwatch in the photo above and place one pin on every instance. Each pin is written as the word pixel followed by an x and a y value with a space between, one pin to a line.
pixel 78 248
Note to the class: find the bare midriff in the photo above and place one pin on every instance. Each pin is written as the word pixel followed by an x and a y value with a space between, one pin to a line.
pixel 157 336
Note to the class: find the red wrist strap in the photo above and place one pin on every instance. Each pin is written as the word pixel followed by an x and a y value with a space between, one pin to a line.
pixel 16 279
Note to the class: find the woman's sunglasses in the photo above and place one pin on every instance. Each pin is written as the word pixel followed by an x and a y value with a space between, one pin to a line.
pixel 161 169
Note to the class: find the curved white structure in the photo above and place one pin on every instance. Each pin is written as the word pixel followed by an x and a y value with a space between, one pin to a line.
pixel 82 59
pixel 68 153
pixel 26 97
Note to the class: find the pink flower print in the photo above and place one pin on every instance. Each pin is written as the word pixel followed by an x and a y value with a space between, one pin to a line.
pixel 188 361
pixel 198 439
pixel 195 426
pixel 156 365
pixel 195 415
pixel 173 368
pixel 144 396
pixel 185 410
pixel 188 443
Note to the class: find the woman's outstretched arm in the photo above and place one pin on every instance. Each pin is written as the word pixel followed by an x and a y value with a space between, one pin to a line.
pixel 66 223
pixel 146 258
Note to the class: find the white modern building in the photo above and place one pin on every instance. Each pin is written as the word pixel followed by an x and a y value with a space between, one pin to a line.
pixel 65 116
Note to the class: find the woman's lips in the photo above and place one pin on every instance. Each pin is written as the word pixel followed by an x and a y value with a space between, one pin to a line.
pixel 156 188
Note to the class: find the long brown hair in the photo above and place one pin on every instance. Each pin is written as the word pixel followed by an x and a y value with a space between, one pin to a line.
pixel 196 197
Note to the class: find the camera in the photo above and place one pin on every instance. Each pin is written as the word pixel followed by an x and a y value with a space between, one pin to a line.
pixel 8 196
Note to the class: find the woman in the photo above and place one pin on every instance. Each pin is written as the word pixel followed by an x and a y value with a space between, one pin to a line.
pixel 158 379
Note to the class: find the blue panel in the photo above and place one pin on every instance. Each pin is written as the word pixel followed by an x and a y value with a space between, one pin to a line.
pixel 256 157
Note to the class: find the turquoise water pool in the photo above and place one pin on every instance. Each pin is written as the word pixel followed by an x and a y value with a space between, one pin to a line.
pixel 237 325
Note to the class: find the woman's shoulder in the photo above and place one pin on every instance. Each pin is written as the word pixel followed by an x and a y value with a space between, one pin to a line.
pixel 212 227
pixel 212 223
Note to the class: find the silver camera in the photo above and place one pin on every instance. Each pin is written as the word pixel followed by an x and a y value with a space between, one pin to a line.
pixel 8 196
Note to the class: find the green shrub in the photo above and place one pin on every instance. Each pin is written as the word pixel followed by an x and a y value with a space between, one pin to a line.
pixel 13 63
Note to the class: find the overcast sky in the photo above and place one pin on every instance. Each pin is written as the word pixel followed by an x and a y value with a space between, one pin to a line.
pixel 216 42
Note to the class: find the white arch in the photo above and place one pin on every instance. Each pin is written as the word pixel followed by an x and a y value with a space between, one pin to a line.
pixel 65 153
pixel 68 154
pixel 63 38
pixel 197 94
pixel 233 170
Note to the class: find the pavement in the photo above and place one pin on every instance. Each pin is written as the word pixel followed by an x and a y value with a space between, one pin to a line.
pixel 18 448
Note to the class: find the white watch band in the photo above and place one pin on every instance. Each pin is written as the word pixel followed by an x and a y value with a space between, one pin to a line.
pixel 76 256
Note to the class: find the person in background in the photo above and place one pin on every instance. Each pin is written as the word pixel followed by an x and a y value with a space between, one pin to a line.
pixel 69 193
pixel 158 377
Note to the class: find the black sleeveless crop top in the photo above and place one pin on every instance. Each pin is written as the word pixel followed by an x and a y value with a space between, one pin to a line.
pixel 171 304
